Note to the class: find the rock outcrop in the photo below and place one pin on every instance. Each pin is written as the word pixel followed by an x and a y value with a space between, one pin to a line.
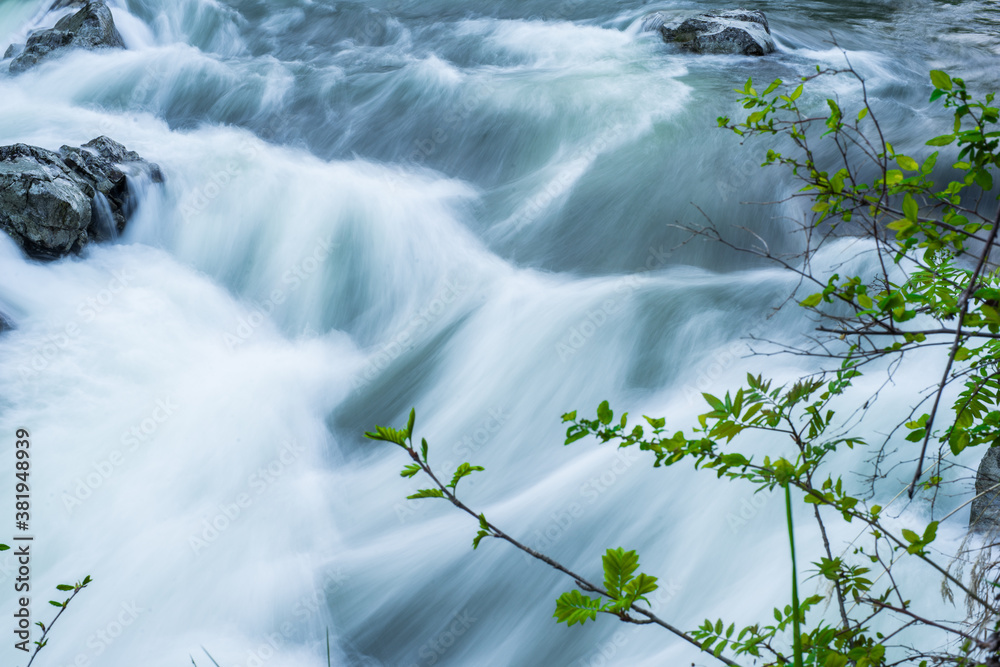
pixel 985 514
pixel 55 203
pixel 92 27
pixel 734 31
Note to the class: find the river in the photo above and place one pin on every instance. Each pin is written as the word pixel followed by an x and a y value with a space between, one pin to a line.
pixel 464 207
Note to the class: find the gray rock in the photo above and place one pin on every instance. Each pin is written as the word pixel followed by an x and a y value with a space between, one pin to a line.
pixel 53 204
pixel 985 514
pixel 92 27
pixel 13 50
pixel 734 31
pixel 62 4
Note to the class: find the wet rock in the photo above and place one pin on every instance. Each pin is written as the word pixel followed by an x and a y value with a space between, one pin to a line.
pixel 985 514
pixel 92 27
pixel 55 203
pixel 734 31
pixel 13 51
pixel 62 4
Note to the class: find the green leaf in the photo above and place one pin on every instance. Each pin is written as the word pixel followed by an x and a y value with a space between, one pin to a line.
pixel 893 176
pixel 479 538
pixel 941 80
pixel 410 470
pixel 618 568
pixel 812 300
pixel 604 413
pixel 575 607
pixel 910 536
pixel 64 587
pixel 423 449
pixel 58 604
pixel 409 423
pixel 388 435
pixel 930 533
pixel 464 470
pixel 797 93
pixel 900 226
pixel 907 163
pixel 910 208
pixel 715 403
pixel 642 585
pixel 4 547
pixel 659 422
pixel 943 140
pixel 426 493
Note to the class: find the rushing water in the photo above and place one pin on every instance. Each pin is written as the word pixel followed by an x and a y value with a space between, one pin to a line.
pixel 459 206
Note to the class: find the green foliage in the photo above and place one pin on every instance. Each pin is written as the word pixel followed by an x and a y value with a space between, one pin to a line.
pixel 575 607
pixel 43 641
pixel 622 590
pixel 935 287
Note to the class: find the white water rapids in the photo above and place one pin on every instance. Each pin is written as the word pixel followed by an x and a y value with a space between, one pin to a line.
pixel 459 206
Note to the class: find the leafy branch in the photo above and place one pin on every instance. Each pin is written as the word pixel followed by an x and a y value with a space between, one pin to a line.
pixel 43 640
pixel 621 589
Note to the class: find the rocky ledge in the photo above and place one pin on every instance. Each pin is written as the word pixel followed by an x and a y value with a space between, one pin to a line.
pixel 984 516
pixel 55 203
pixel 733 31
pixel 92 27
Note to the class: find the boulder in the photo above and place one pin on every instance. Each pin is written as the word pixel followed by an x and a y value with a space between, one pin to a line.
pixel 985 514
pixel 733 31
pixel 62 4
pixel 92 27
pixel 55 203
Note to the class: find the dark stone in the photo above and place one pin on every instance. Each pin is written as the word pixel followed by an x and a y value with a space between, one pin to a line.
pixel 90 28
pixel 734 31
pixel 62 4
pixel 54 204
pixel 985 514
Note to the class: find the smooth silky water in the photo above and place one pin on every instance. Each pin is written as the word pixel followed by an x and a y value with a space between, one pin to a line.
pixel 462 207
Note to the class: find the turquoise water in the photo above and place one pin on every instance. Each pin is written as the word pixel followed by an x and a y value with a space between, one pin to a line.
pixel 463 207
